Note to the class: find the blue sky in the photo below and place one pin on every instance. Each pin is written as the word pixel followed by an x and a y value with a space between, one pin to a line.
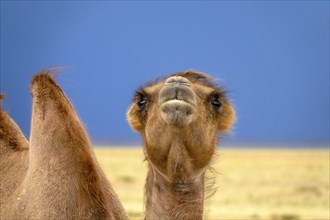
pixel 273 57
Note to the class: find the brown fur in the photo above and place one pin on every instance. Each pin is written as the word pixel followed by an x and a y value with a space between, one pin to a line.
pixel 179 138
pixel 55 175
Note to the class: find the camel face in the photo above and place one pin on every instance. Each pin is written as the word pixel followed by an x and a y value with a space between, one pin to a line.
pixel 183 102
pixel 179 118
pixel 179 100
pixel 186 109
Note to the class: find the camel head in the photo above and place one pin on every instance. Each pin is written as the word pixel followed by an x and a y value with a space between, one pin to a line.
pixel 179 118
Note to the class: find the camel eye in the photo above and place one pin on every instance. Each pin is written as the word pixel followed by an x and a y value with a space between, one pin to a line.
pixel 216 103
pixel 142 103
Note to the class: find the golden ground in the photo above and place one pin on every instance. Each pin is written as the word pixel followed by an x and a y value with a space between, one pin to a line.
pixel 276 184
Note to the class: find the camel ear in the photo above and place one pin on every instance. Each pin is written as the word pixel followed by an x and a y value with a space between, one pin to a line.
pixel 228 117
pixel 133 119
pixel 11 136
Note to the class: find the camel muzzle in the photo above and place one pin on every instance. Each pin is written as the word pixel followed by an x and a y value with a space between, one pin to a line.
pixel 177 101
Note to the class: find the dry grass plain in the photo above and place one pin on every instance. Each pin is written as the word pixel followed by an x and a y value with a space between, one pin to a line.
pixel 275 184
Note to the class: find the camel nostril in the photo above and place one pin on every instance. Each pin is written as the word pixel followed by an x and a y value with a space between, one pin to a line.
pixel 177 88
pixel 177 81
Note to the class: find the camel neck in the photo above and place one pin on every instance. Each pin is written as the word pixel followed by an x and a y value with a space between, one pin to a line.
pixel 171 199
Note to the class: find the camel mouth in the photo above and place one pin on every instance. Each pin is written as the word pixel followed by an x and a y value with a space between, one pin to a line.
pixel 177 104
pixel 177 112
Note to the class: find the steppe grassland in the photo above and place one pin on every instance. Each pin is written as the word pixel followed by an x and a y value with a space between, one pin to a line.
pixel 272 184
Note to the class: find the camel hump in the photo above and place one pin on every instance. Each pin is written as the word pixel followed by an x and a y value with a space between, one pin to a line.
pixel 60 147
pixel 1 98
pixel 43 84
pixel 11 136
pixel 54 119
pixel 49 101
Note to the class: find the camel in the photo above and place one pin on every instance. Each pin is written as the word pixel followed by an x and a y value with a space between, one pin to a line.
pixel 179 118
pixel 55 175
